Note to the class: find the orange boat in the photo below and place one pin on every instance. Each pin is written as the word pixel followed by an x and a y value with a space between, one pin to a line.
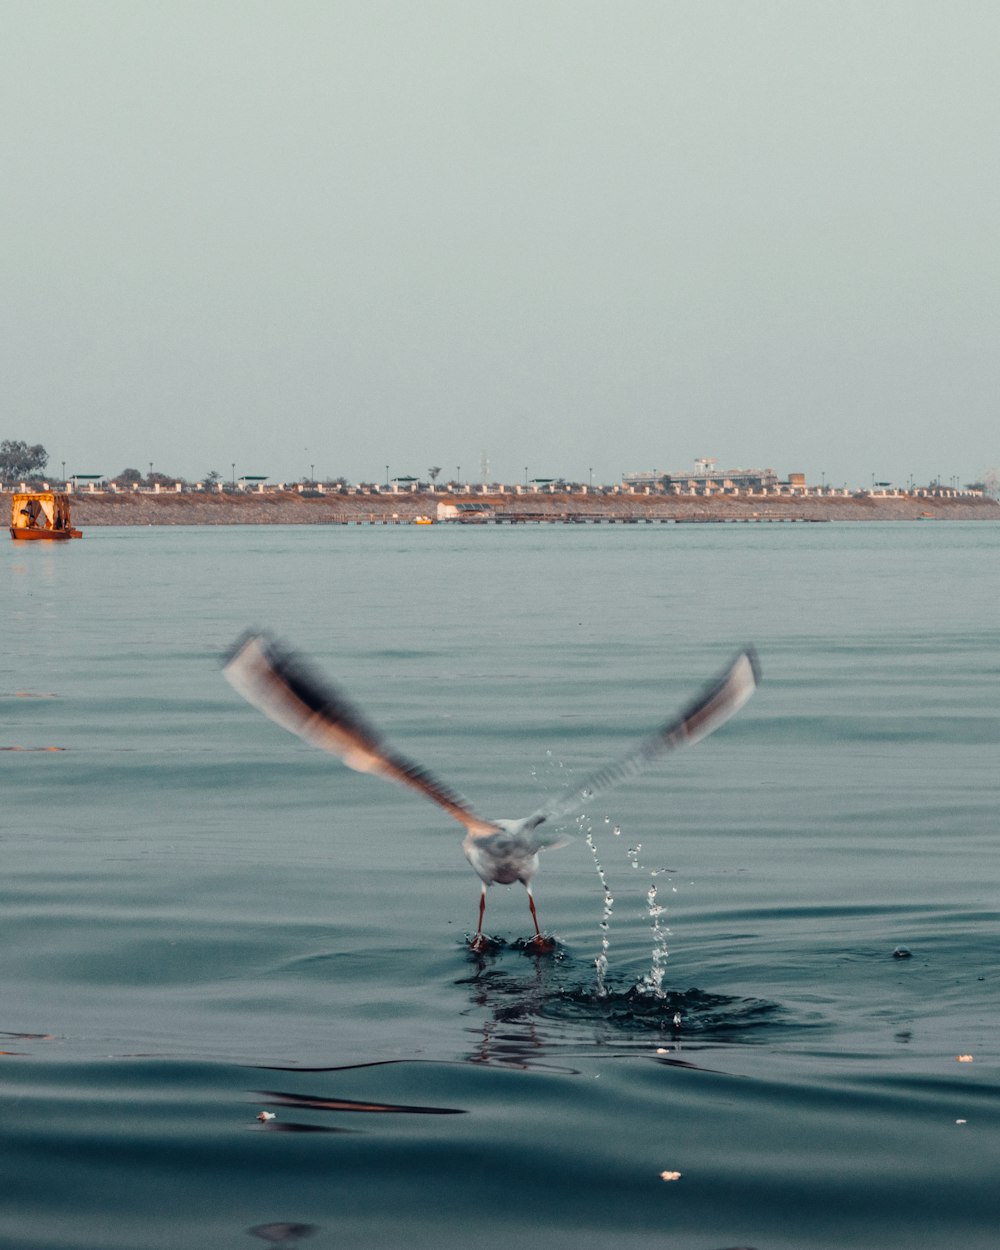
pixel 41 514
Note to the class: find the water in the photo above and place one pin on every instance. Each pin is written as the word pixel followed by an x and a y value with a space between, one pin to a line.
pixel 203 920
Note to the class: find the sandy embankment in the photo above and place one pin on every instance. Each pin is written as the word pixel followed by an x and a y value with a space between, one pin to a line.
pixel 290 508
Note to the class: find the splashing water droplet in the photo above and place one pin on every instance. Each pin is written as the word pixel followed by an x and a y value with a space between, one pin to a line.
pixel 652 983
pixel 601 962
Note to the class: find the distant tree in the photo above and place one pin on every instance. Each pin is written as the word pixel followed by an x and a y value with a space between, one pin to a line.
pixel 433 472
pixel 128 477
pixel 212 478
pixel 18 460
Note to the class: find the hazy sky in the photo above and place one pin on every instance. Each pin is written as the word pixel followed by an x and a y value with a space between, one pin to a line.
pixel 570 236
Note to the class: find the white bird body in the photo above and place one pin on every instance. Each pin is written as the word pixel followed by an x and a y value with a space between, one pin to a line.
pixel 504 856
pixel 280 684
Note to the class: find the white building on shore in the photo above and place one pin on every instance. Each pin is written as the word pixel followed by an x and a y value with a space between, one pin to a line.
pixel 705 479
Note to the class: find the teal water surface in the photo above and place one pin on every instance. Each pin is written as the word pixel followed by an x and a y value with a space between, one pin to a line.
pixel 203 920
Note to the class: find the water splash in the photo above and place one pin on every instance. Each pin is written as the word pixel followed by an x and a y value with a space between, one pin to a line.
pixel 652 983
pixel 601 962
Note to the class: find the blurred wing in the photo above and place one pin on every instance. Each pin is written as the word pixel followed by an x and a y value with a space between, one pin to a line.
pixel 718 702
pixel 283 686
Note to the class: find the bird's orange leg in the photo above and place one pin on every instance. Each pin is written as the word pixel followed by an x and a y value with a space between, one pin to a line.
pixel 477 942
pixel 482 909
pixel 534 914
pixel 538 944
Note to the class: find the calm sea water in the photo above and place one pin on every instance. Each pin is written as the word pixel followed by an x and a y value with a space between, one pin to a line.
pixel 202 919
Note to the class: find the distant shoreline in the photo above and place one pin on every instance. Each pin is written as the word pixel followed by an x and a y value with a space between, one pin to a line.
pixel 293 508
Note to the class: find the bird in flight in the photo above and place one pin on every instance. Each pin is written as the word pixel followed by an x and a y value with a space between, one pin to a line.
pixel 285 687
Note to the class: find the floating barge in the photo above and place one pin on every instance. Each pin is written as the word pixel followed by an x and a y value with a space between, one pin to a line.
pixel 42 514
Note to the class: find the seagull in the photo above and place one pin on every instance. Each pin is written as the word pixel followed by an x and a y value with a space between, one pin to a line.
pixel 284 686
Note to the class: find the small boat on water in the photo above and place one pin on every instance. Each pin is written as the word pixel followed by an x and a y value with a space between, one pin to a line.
pixel 41 514
pixel 422 520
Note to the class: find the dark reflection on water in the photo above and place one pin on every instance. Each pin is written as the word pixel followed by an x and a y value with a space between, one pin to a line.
pixel 281 1234
pixel 318 1102
pixel 678 1013
pixel 294 1126
pixel 531 1013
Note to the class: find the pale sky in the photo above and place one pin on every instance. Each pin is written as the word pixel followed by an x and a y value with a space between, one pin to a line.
pixel 572 236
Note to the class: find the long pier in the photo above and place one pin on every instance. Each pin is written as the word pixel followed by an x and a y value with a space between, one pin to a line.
pixel 569 519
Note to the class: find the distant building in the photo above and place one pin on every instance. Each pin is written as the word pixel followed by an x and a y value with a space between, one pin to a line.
pixel 706 477
pixel 465 512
